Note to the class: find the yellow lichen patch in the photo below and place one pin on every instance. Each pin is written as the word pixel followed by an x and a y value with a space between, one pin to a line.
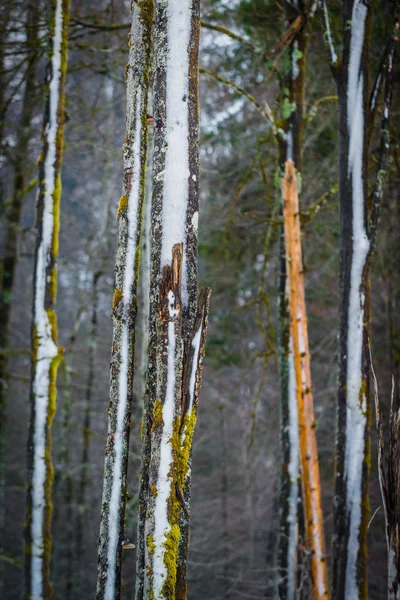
pixel 181 443
pixel 154 490
pixel 170 560
pixel 56 216
pixel 157 415
pixel 35 344
pixel 52 317
pixel 150 544
pixel 189 425
pixel 53 283
pixel 117 297
pixel 122 204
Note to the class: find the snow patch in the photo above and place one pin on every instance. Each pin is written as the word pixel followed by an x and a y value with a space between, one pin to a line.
pixel 176 173
pixel 293 470
pixel 328 32
pixel 195 221
pixel 295 59
pixel 192 384
pixel 356 403
pixel 161 524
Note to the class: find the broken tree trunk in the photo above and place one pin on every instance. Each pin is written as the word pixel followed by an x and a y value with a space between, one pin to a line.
pixel 46 354
pixel 178 318
pixel 313 518
pixel 290 145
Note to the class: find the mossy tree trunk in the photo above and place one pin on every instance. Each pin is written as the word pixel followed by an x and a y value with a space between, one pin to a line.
pixel 46 354
pixel 125 305
pixel 178 318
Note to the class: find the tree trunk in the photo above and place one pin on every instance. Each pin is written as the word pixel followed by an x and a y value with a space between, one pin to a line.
pixel 178 320
pixel 9 260
pixel 125 306
pixel 352 441
pixel 46 354
pixel 290 148
pixel 313 520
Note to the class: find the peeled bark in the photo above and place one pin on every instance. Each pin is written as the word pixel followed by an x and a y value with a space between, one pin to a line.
pixel 290 148
pixel 311 486
pixel 125 306
pixel 46 353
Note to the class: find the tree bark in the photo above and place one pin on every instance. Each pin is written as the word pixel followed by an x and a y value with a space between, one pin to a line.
pixel 178 319
pixel 353 414
pixel 46 353
pixel 125 306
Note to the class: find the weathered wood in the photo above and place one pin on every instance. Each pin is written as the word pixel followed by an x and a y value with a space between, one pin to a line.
pixel 313 519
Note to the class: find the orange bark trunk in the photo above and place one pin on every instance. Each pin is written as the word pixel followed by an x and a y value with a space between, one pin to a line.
pixel 311 487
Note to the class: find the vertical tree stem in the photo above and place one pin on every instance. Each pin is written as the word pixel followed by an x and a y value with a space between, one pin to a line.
pixel 46 354
pixel 311 486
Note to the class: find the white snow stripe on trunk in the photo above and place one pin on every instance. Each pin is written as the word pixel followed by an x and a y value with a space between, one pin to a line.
pixel 46 348
pixel 192 384
pixel 293 470
pixel 176 171
pixel 161 523
pixel 356 405
pixel 129 277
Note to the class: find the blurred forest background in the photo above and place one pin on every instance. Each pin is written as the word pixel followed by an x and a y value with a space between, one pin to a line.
pixel 236 461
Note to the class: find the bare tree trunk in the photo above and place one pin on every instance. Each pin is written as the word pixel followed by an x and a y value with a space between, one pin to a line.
pixel 46 354
pixel 81 491
pixel 311 486
pixel 125 306
pixel 9 260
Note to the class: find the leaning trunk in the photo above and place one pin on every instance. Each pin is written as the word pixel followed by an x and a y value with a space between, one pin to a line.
pixel 290 148
pixel 46 353
pixel 311 487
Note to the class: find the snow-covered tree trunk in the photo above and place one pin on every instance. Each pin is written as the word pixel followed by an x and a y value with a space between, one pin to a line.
pixel 46 354
pixel 178 319
pixel 311 487
pixel 125 305
pixel 352 442
pixel 145 274
pixel 358 227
